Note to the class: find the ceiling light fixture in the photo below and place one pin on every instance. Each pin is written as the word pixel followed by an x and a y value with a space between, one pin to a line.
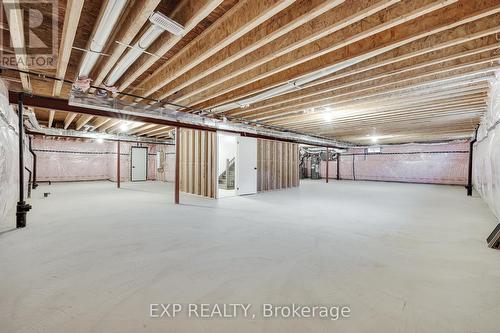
pixel 100 140
pixel 124 127
pixel 160 24
pixel 166 23
pixel 374 139
pixel 328 116
pixel 106 24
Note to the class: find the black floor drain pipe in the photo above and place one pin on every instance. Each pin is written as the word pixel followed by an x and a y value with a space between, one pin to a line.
pixel 34 183
pixel 469 176
pixel 22 207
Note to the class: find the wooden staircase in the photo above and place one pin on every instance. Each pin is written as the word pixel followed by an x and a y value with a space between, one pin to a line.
pixel 227 177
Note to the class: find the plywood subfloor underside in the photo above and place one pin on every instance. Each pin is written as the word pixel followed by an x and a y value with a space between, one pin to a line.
pixel 405 258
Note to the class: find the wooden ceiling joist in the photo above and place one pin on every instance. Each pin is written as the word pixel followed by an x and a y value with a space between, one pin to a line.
pixel 84 119
pixel 449 17
pixel 427 59
pixel 301 18
pixel 70 26
pixel 411 104
pixel 342 22
pixel 98 122
pixel 69 119
pixel 190 13
pixel 141 128
pixel 381 83
pixel 14 16
pixel 139 15
pixel 242 18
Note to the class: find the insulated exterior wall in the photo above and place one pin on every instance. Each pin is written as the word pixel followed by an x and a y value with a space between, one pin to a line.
pixel 166 171
pixel 61 159
pixel 198 163
pixel 445 163
pixel 125 161
pixel 71 160
pixel 277 165
pixel 486 156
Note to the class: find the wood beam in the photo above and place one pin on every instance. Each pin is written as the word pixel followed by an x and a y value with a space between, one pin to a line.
pixel 98 122
pixel 149 130
pixel 390 84
pixel 154 131
pixel 52 113
pixel 446 18
pixel 389 65
pixel 404 102
pixel 139 15
pixel 14 15
pixel 397 103
pixel 340 19
pixel 379 79
pixel 397 14
pixel 109 124
pixel 271 33
pixel 141 128
pixel 71 19
pixel 164 131
pixel 387 117
pixel 84 119
pixel 69 119
pixel 243 17
pixel 378 104
pixel 465 120
pixel 130 126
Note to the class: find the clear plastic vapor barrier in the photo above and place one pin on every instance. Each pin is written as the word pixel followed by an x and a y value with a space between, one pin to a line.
pixel 486 163
pixel 445 163
pixel 9 162
pixel 61 159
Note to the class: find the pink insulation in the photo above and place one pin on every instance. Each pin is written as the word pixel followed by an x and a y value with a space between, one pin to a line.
pixel 486 162
pixel 416 163
pixel 61 159
pixel 170 163
pixel 70 160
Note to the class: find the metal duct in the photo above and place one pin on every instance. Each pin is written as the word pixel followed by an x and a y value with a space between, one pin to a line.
pixel 33 126
pixel 183 118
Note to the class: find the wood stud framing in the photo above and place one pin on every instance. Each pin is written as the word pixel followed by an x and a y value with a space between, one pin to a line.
pixel 277 165
pixel 198 164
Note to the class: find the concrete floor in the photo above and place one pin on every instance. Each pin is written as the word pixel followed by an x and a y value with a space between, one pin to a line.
pixel 405 258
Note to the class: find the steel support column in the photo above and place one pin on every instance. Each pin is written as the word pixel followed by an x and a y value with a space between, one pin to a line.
pixel 327 162
pixel 177 163
pixel 118 166
pixel 338 166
